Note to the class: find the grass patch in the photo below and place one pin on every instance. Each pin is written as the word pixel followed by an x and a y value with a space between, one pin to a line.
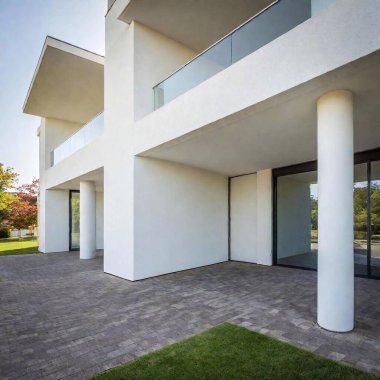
pixel 232 352
pixel 16 246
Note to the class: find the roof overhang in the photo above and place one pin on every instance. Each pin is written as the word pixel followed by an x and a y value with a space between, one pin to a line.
pixel 68 83
pixel 195 23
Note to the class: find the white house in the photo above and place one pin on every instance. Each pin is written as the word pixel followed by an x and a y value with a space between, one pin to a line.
pixel 195 140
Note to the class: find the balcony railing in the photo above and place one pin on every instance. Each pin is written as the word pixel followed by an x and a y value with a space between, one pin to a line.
pixel 79 139
pixel 272 22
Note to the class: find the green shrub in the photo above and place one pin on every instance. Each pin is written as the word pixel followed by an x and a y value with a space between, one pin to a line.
pixel 4 233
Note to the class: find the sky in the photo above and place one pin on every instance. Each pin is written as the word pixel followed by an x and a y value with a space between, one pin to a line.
pixel 24 26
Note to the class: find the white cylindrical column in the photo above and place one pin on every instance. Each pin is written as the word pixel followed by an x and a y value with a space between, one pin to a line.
pixel 87 220
pixel 335 211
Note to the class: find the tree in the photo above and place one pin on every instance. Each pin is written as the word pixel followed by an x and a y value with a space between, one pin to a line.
pixel 29 192
pixel 18 206
pixel 375 207
pixel 8 180
pixel 24 209
pixel 314 212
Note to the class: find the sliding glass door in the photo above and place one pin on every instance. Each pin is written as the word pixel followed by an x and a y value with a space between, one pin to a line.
pixel 361 219
pixel 74 220
pixel 295 238
pixel 297 220
pixel 375 220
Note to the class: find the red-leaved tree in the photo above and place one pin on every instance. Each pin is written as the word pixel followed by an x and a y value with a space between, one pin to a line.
pixel 24 207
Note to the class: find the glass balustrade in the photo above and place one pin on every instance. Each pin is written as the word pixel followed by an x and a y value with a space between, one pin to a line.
pixel 271 23
pixel 78 140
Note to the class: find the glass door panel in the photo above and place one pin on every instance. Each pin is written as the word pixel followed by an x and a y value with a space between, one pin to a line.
pixel 360 218
pixel 375 219
pixel 74 220
pixel 297 220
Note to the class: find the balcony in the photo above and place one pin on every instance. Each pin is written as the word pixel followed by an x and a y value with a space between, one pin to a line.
pixel 79 139
pixel 272 22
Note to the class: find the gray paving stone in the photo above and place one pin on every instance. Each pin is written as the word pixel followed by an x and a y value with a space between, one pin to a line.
pixel 64 318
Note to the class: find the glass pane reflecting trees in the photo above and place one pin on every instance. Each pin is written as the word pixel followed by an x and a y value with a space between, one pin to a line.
pixel 297 220
pixel 375 219
pixel 74 220
pixel 360 219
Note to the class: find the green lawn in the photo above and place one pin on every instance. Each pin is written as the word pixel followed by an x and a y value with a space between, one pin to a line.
pixel 16 246
pixel 231 352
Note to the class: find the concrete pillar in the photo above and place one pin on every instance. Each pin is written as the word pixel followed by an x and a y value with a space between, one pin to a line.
pixel 335 211
pixel 87 220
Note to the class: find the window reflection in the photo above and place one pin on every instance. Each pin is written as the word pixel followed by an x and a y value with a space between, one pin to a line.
pixel 375 218
pixel 297 220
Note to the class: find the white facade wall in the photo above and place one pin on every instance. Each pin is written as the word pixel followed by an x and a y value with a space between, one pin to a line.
pixel 53 212
pixel 341 33
pixel 251 218
pixel 243 203
pixel 131 70
pixel 54 221
pixel 54 132
pixel 155 57
pixel 264 217
pixel 181 217
pixel 85 160
pixel 118 163
pixel 161 217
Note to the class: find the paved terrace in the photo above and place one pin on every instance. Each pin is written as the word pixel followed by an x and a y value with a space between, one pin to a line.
pixel 64 318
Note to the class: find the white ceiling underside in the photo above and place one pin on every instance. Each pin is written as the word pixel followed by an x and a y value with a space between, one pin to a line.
pixel 282 130
pixel 195 23
pixel 96 176
pixel 68 83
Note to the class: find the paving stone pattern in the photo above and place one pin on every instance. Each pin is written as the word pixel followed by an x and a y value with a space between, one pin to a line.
pixel 62 318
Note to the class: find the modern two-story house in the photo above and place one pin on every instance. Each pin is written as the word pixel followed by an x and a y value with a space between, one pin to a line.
pixel 214 131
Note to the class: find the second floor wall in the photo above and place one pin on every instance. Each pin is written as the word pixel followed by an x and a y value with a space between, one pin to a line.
pixel 153 56
pixel 52 133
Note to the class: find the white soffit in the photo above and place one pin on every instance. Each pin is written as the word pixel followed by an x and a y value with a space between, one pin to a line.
pixel 195 23
pixel 68 83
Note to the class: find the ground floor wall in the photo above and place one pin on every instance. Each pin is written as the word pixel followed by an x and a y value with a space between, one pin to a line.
pixel 250 203
pixel 53 221
pixel 181 217
pixel 243 204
